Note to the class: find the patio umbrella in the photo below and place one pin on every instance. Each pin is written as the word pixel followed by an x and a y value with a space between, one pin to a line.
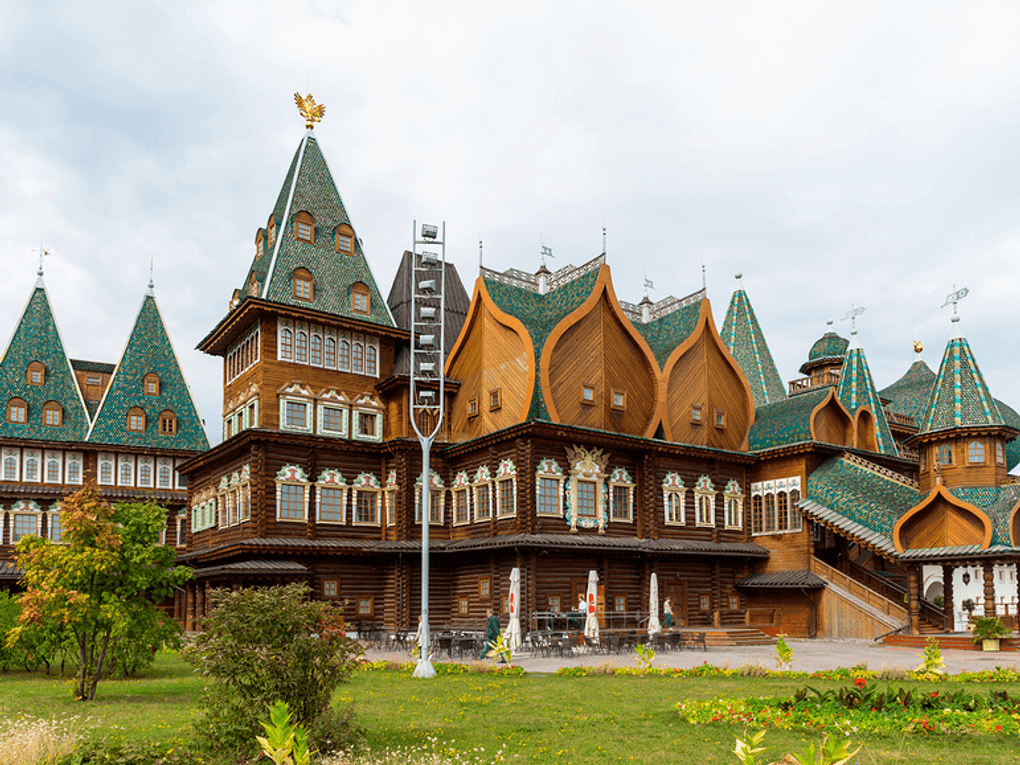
pixel 512 635
pixel 591 624
pixel 654 628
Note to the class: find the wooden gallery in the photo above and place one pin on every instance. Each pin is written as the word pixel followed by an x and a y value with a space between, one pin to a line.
pixel 582 433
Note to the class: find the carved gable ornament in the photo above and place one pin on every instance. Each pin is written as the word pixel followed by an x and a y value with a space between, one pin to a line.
pixel 367 481
pixel 587 463
pixel 331 477
pixel 482 475
pixel 434 480
pixel 673 481
pixel 292 473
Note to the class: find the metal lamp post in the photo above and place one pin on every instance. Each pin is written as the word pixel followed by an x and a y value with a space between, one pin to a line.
pixel 428 290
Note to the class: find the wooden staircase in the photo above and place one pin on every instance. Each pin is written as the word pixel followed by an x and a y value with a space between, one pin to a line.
pixel 720 636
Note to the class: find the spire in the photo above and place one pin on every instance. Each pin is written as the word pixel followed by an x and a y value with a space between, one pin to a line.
pixel 960 396
pixel 746 343
pixel 149 352
pixel 857 388
pixel 330 250
pixel 36 341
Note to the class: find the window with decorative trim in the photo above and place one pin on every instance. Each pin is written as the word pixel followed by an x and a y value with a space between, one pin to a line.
pixel 106 468
pixel 331 497
pixel 673 494
pixel 136 420
pixel 333 420
pixel 23 524
pixel 975 452
pixel 315 350
pixel 301 346
pixel 304 227
pixel 704 502
pixel 461 498
pixel 390 498
pixel 292 494
pixel 125 470
pixel 437 495
pixel 367 493
pixel 368 420
pixel 549 482
pixel 150 384
pixel 329 356
pixel 53 414
pixel 586 503
pixel 286 344
pixel 11 465
pixel 774 506
pixel 621 496
pixel 17 411
pixel 54 527
pixel 73 467
pixel 54 473
pixel 482 485
pixel 506 489
pixel 32 471
pixel 733 499
pixel 35 374
pixel 164 479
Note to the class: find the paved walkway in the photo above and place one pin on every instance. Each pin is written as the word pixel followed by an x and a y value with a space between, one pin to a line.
pixel 808 656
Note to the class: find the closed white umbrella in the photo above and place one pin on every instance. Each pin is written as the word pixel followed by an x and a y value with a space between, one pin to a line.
pixel 591 624
pixel 512 635
pixel 654 627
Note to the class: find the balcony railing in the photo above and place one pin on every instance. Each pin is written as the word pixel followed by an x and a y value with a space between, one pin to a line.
pixel 823 379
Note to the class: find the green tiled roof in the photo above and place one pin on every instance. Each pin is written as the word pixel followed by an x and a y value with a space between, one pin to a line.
pixel 37 338
pixel 857 389
pixel 861 496
pixel 960 396
pixel 997 501
pixel 540 314
pixel 910 394
pixel 309 187
pixel 746 343
pixel 666 333
pixel 1012 419
pixel 148 351
pixel 785 422
pixel 829 347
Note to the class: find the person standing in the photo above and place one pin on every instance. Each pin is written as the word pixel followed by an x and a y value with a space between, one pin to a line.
pixel 667 614
pixel 492 629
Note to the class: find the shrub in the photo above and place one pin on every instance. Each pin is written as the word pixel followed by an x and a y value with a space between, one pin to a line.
pixel 263 645
pixel 34 742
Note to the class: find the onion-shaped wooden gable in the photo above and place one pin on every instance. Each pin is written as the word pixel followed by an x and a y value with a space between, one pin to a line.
pixel 831 423
pixel 1014 525
pixel 942 520
pixel 705 398
pixel 493 359
pixel 596 369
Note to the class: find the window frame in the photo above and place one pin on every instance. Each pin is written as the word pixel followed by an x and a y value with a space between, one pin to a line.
pixel 549 470
pixel 302 285
pixel 17 411
pixel 620 480
pixel 294 479
pixel 135 420
pixel 482 486
pixel 704 502
pixel 304 224
pixel 52 410
pixel 506 477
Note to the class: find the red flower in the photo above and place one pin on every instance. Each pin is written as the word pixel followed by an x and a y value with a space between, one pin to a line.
pixel 860 682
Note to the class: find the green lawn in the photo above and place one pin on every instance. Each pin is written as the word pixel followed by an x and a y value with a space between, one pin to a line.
pixel 540 718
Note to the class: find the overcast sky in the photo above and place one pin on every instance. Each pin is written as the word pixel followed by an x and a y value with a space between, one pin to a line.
pixel 837 154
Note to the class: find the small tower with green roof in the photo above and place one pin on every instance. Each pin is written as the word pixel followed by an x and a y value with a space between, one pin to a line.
pixel 746 343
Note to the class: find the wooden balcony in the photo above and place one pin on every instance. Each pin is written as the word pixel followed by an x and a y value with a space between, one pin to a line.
pixel 821 380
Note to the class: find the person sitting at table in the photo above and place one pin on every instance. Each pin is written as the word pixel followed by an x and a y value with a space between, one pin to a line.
pixel 492 629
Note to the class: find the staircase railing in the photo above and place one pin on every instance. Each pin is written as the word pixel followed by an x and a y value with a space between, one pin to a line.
pixel 896 592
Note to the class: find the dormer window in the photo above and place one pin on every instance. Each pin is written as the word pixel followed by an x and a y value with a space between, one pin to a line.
pixel 168 423
pixel 53 414
pixel 253 286
pixel 345 239
pixel 136 420
pixel 360 302
pixel 259 247
pixel 36 373
pixel 304 228
pixel 151 385
pixel 17 410
pixel 302 284
pixel 272 230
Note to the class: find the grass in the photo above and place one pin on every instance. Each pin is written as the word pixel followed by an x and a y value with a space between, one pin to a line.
pixel 538 718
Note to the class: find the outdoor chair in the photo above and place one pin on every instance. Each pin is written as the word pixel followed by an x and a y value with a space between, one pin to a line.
pixel 698 638
pixel 681 640
pixel 446 644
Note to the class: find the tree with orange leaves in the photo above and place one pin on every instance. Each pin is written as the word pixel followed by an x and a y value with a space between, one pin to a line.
pixel 109 571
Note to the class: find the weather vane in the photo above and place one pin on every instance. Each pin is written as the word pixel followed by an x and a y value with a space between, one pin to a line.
pixel 649 285
pixel 546 251
pixel 43 252
pixel 852 314
pixel 311 111
pixel 955 297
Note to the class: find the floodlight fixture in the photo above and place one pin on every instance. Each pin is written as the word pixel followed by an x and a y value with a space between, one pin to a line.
pixel 427 368
pixel 427 395
pixel 428 285
pixel 428 312
pixel 427 341
pixel 429 258
pixel 428 232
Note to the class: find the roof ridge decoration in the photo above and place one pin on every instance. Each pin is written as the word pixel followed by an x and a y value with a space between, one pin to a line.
pixel 746 342
pixel 856 390
pixel 149 350
pixel 960 396
pixel 309 187
pixel 36 337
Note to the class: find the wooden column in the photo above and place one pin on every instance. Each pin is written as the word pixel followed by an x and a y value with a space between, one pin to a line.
pixel 189 608
pixel 716 595
pixel 989 576
pixel 913 614
pixel 948 604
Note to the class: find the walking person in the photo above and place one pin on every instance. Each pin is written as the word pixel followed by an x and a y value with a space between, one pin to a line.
pixel 667 614
pixel 492 629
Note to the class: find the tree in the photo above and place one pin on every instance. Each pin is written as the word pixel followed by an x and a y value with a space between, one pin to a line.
pixel 264 645
pixel 107 575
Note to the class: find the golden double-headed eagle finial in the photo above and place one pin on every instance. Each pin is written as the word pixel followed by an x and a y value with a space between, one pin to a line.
pixel 311 111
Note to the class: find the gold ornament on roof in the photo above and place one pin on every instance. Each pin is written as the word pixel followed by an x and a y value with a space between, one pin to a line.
pixel 311 111
pixel 918 347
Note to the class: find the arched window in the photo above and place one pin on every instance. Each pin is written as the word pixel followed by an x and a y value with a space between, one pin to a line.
pixel 164 476
pixel 32 469
pixel 17 410
pixel 127 474
pixel 360 302
pixel 10 469
pixel 106 472
pixel 53 414
pixel 136 420
pixel 272 230
pixel 976 452
pixel 151 385
pixel 301 347
pixel 286 343
pixel 145 474
pixel 757 518
pixel 253 286
pixel 370 360
pixel 330 353
pixel 358 360
pixel 35 374
pixel 345 239
pixel 301 282
pixel 168 423
pixel 74 471
pixel 770 513
pixel 316 350
pixel 304 227
pixel 53 471
pixel 345 356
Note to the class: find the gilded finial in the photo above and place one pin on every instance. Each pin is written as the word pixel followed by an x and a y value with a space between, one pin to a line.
pixel 311 111
pixel 918 347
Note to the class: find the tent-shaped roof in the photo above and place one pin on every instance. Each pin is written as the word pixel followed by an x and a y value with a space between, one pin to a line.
pixel 149 351
pixel 960 396
pixel 856 389
pixel 309 188
pixel 910 394
pixel 36 338
pixel 746 343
